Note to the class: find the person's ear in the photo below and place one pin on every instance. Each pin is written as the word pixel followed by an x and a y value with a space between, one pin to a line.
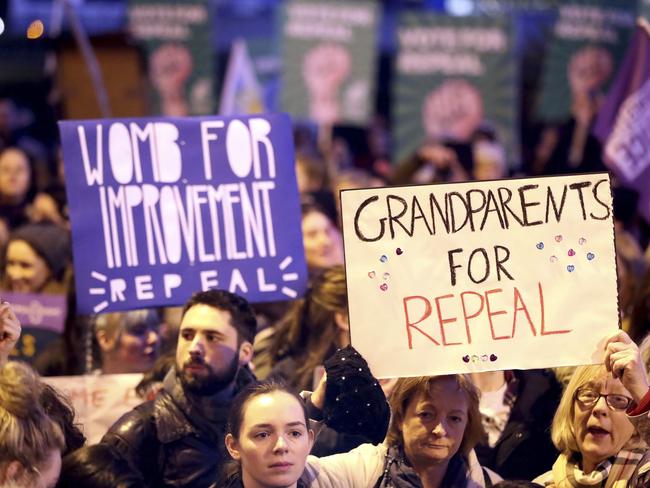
pixel 312 436
pixel 342 322
pixel 106 343
pixel 13 471
pixel 245 353
pixel 233 447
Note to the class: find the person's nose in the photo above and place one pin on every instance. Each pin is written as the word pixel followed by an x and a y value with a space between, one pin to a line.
pixel 153 338
pixel 280 445
pixel 439 430
pixel 600 407
pixel 197 348
pixel 15 272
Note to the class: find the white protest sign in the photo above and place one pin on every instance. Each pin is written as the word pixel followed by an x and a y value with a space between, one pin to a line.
pixel 98 400
pixel 481 276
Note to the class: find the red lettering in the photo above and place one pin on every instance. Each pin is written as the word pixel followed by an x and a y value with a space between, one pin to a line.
pixel 467 317
pixel 541 304
pixel 442 321
pixel 517 300
pixel 98 397
pixel 491 314
pixel 410 325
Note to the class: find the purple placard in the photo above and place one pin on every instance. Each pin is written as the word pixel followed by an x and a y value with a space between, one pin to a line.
pixel 165 207
pixel 39 311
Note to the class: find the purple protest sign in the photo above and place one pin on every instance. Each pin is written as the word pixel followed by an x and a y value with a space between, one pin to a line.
pixel 165 207
pixel 42 318
pixel 37 310
pixel 622 124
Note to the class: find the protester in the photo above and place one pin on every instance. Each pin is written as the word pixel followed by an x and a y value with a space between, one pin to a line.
pixel 434 426
pixel 322 239
pixel 312 330
pixel 269 436
pixel 489 161
pixel 36 260
pixel 129 342
pixel 30 442
pixel 16 186
pixel 517 408
pixel 60 410
pixel 177 439
pixel 602 425
pixel 9 331
pixel 98 466
pixel 435 162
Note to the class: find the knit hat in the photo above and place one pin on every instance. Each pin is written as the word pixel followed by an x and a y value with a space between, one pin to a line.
pixel 50 242
pixel 354 400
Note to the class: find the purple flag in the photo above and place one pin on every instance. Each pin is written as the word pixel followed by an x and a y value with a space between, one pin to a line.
pixel 623 124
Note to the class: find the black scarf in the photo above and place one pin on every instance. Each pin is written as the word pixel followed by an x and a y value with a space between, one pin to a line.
pixel 398 473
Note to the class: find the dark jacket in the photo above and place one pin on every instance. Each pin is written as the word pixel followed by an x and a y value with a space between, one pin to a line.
pixel 524 449
pixel 173 440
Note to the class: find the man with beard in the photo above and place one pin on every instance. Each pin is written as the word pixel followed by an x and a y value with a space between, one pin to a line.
pixel 177 439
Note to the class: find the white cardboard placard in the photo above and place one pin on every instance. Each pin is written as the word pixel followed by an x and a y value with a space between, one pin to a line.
pixel 481 276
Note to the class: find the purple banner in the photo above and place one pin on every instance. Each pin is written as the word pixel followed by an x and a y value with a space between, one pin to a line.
pixel 624 118
pixel 46 312
pixel 164 207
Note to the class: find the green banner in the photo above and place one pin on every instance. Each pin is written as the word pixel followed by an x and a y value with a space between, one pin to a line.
pixel 177 41
pixel 329 60
pixel 453 75
pixel 588 42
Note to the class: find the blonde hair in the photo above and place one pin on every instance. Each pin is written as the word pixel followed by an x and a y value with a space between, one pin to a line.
pixel 27 434
pixel 406 389
pixel 562 429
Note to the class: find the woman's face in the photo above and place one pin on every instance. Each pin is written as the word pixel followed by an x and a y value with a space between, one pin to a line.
pixel 14 174
pixel 273 443
pixel 600 430
pixel 434 424
pixel 322 241
pixel 138 348
pixel 26 271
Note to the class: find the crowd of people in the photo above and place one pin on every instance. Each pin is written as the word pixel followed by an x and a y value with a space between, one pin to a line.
pixel 212 424
pixel 222 379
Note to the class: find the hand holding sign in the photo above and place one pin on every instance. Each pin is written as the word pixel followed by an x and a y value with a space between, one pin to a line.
pixel 623 360
pixel 9 331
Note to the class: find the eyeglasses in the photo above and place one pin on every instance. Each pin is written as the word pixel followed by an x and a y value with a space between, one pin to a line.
pixel 589 398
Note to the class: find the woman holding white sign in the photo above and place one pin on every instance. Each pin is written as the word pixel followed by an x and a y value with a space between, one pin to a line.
pixel 602 426
pixel 435 425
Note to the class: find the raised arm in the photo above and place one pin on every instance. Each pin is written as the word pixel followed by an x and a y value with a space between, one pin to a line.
pixel 9 331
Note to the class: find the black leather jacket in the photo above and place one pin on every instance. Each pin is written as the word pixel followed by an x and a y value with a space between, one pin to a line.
pixel 174 441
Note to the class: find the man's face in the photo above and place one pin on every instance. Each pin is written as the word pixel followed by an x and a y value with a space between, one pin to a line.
pixel 207 356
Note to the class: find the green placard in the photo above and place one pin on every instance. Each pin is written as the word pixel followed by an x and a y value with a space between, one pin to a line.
pixel 329 60
pixel 177 40
pixel 453 75
pixel 588 42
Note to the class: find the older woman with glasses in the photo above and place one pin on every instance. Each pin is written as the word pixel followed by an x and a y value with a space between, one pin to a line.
pixel 602 426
